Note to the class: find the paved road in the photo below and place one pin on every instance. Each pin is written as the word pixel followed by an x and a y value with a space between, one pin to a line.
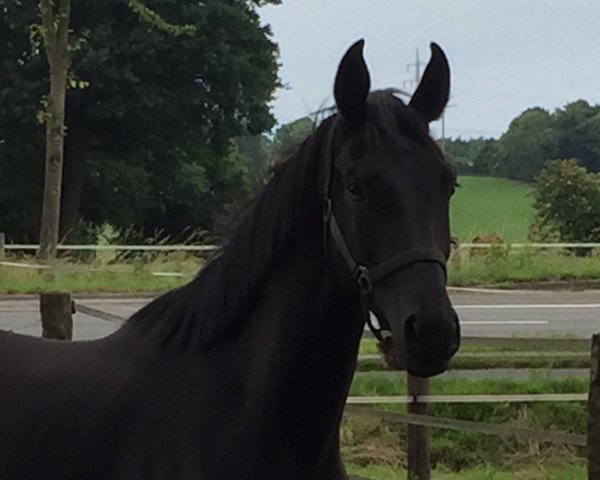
pixel 491 313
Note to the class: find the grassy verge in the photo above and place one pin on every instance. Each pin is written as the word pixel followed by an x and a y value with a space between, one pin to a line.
pixel 498 266
pixel 483 363
pixel 475 357
pixel 95 282
pixel 102 274
pixel 138 274
pixel 368 346
pixel 382 383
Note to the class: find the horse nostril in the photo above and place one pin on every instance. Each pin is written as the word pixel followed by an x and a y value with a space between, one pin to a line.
pixel 410 330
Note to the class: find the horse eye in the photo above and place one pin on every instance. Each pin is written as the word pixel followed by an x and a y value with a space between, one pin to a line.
pixel 355 189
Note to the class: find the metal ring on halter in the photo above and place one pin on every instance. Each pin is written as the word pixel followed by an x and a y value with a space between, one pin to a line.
pixel 364 279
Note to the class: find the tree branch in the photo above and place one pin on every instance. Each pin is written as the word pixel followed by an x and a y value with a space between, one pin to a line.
pixel 48 27
pixel 148 15
pixel 64 13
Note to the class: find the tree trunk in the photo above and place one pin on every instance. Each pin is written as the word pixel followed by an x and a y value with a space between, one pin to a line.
pixel 76 146
pixel 55 27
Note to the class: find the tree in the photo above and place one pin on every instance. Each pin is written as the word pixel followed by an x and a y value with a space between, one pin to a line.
pixel 256 153
pixel 486 157
pixel 155 105
pixel 567 203
pixel 260 154
pixel 55 33
pixel 457 152
pixel 578 132
pixel 527 145
pixel 289 136
pixel 476 156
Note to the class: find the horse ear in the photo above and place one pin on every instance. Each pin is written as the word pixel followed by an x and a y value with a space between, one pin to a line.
pixel 352 85
pixel 433 91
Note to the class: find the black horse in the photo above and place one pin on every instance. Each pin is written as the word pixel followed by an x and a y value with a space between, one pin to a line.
pixel 244 372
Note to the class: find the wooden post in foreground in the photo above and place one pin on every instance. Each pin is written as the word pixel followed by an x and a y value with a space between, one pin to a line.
pixel 57 315
pixel 593 433
pixel 418 435
pixel 2 243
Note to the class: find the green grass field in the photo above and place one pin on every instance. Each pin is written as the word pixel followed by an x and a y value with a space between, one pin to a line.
pixel 491 205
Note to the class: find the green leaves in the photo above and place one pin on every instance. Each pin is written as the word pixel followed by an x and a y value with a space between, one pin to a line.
pixel 157 90
pixel 151 17
pixel 528 143
pixel 567 201
pixel 531 140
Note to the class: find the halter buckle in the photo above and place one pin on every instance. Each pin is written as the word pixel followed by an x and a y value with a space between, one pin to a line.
pixel 364 279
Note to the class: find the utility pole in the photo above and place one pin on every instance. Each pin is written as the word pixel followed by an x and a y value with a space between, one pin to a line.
pixel 414 83
pixel 417 64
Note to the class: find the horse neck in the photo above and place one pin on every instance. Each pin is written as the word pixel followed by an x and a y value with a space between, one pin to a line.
pixel 308 334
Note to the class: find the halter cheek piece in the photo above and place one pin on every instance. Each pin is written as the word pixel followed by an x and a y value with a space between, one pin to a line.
pixel 367 277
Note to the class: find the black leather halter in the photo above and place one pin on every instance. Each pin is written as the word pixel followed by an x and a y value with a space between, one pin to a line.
pixel 365 276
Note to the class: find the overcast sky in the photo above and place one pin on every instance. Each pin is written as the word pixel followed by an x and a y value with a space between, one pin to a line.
pixel 505 55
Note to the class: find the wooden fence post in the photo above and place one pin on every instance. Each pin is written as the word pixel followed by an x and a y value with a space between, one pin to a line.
pixel 418 435
pixel 56 310
pixel 593 433
pixel 2 243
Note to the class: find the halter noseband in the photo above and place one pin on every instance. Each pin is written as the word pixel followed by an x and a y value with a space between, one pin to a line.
pixel 368 277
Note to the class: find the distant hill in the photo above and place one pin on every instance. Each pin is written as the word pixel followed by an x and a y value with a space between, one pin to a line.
pixel 491 205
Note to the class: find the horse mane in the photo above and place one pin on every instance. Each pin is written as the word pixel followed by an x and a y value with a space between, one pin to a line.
pixel 222 294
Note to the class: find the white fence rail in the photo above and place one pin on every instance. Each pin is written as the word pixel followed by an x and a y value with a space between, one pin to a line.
pixel 210 248
pixel 113 248
pixel 530 245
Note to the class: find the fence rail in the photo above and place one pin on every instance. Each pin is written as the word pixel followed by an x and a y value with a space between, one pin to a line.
pixel 418 399
pixel 520 343
pixel 530 245
pixel 112 248
pixel 571 345
pixel 101 314
pixel 467 425
pixel 210 248
pixel 498 398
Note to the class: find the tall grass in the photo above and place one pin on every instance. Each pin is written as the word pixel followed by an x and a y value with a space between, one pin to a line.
pixel 575 471
pixel 102 273
pixel 501 265
pixel 394 383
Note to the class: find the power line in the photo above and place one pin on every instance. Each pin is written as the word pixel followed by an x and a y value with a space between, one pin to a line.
pixel 417 64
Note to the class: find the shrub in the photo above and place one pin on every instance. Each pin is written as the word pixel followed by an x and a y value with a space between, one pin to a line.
pixel 567 203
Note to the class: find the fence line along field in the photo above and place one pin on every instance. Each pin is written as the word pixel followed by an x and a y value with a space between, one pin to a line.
pixel 548 413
